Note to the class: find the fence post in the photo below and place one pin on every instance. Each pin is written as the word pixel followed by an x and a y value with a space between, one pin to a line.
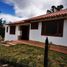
pixel 46 53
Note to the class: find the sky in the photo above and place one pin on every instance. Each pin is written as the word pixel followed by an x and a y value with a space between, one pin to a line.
pixel 6 8
pixel 28 8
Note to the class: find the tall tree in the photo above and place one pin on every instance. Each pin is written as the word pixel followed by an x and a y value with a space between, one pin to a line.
pixel 2 29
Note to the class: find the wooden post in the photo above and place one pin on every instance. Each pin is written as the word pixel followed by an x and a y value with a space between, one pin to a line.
pixel 46 53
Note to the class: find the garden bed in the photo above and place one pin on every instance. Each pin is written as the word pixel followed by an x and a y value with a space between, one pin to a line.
pixel 22 55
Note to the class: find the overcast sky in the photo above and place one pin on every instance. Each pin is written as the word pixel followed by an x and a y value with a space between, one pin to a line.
pixel 31 8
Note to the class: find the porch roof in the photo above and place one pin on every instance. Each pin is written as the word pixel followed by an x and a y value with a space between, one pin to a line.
pixel 62 14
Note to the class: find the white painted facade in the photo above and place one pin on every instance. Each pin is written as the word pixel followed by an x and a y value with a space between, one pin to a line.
pixel 36 35
pixel 8 36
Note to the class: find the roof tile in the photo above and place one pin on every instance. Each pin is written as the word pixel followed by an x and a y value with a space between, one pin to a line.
pixel 55 14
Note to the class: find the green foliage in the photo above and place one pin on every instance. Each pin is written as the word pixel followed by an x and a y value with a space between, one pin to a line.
pixel 58 8
pixel 2 29
pixel 48 11
pixel 1 22
pixel 2 32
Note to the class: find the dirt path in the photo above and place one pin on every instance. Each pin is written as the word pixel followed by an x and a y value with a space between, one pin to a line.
pixel 57 48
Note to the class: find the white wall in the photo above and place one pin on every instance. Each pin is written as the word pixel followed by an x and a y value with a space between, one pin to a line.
pixel 8 36
pixel 36 35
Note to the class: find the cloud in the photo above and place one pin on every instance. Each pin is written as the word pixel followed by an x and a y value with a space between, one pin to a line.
pixel 30 8
pixel 29 11
pixel 9 18
pixel 64 2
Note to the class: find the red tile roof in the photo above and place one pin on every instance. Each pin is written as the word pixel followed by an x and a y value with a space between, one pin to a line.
pixel 55 14
pixel 61 13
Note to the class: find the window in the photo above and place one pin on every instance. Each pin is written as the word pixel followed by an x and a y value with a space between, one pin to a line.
pixel 12 29
pixel 34 25
pixel 7 29
pixel 52 28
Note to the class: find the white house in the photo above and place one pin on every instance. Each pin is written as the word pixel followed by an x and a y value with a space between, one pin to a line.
pixel 53 26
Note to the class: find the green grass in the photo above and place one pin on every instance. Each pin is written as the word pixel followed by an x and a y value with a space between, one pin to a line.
pixel 32 56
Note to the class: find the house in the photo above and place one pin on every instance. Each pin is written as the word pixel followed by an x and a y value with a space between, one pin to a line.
pixel 53 26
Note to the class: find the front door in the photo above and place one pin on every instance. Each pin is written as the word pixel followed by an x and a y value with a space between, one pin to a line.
pixel 24 32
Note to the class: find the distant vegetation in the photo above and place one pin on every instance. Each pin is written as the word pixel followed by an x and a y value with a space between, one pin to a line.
pixel 54 8
pixel 2 29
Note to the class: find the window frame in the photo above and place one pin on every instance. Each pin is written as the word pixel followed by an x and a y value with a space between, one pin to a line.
pixel 58 22
pixel 7 29
pixel 34 25
pixel 12 30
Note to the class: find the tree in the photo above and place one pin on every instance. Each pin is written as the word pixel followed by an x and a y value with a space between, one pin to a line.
pixel 1 22
pixel 48 11
pixel 59 7
pixel 54 8
pixel 2 29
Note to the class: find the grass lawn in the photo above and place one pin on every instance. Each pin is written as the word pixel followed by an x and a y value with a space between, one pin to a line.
pixel 32 56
